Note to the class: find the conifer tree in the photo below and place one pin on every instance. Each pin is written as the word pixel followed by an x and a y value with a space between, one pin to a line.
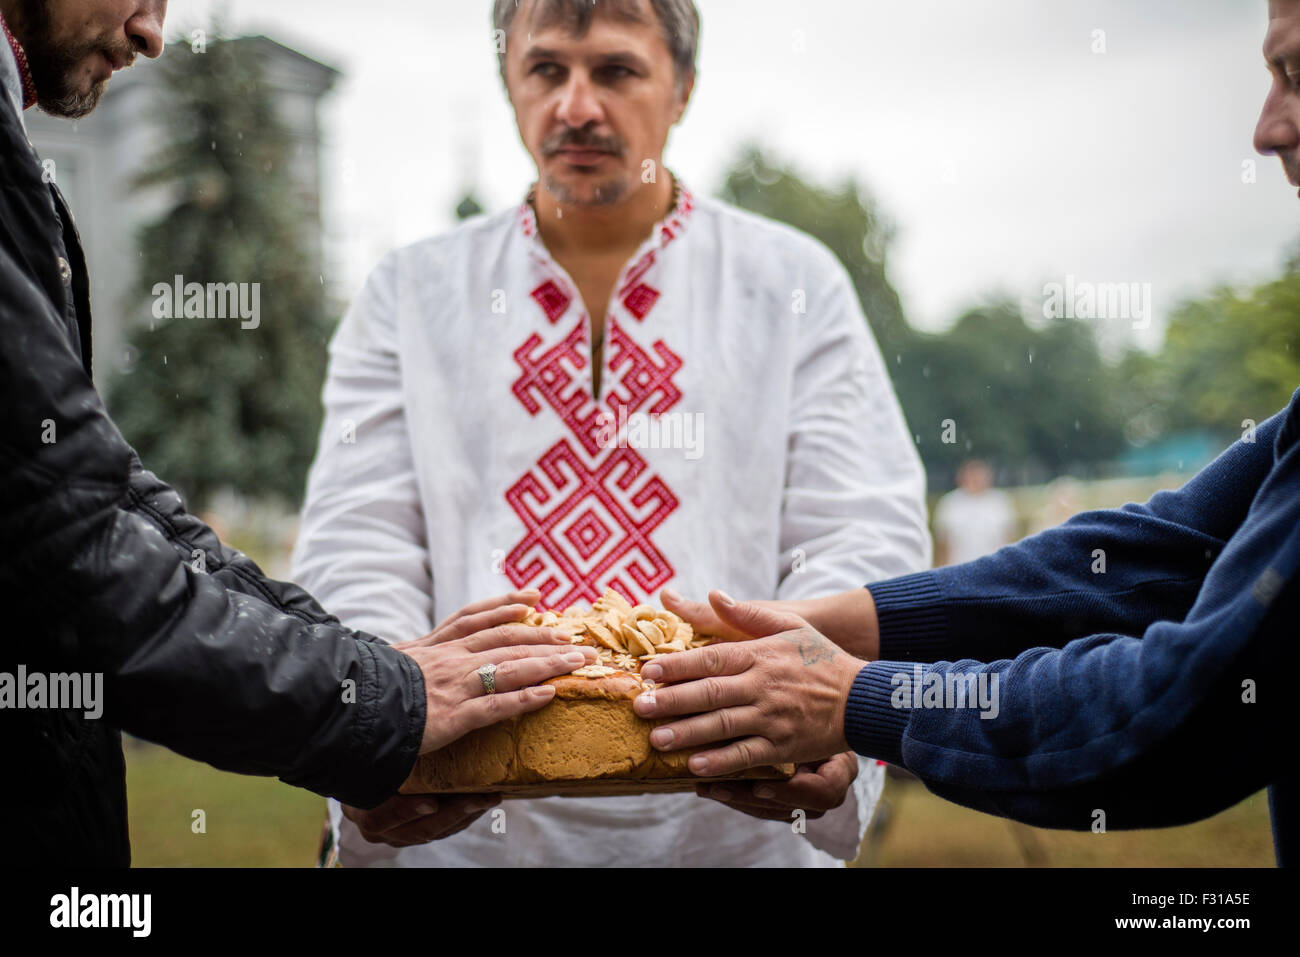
pixel 214 403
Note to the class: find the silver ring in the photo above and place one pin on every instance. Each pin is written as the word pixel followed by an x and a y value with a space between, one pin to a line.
pixel 488 676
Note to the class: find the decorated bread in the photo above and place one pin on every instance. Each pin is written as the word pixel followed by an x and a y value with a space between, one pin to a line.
pixel 587 741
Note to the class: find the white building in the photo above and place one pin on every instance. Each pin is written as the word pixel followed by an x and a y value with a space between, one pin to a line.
pixel 96 158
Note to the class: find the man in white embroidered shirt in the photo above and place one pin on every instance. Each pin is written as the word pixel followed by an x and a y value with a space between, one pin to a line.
pixel 495 406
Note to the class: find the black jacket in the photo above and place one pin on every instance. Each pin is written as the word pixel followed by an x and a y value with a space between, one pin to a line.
pixel 99 573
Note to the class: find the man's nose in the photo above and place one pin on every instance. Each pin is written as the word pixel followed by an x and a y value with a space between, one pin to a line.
pixel 1277 129
pixel 579 105
pixel 145 28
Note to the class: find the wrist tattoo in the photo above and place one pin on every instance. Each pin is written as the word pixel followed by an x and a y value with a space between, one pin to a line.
pixel 813 649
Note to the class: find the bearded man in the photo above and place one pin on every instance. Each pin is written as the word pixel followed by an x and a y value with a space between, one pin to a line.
pixel 99 575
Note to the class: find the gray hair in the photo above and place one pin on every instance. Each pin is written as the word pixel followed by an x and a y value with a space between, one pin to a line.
pixel 679 18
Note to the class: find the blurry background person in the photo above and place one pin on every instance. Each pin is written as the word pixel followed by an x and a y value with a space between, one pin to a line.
pixel 484 400
pixel 974 519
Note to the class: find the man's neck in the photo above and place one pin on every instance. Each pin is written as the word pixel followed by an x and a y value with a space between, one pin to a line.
pixel 581 230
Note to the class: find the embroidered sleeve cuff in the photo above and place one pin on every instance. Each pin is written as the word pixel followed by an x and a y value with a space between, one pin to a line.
pixel 872 725
pixel 911 616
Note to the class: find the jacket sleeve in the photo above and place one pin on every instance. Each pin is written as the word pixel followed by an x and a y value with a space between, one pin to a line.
pixel 1116 570
pixel 361 533
pixel 199 545
pixel 220 675
pixel 1112 722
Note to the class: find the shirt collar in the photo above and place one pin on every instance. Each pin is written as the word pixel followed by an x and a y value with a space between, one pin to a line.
pixel 16 73
pixel 665 231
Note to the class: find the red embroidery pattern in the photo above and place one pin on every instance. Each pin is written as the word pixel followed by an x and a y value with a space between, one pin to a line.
pixel 637 271
pixel 24 68
pixel 551 376
pixel 641 300
pixel 553 300
pixel 640 377
pixel 588 510
pixel 587 526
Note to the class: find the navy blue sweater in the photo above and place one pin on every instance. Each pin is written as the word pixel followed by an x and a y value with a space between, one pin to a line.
pixel 1144 657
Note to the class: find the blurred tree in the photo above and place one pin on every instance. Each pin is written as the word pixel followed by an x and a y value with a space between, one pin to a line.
pixel 1232 356
pixel 1291 258
pixel 209 403
pixel 846 219
pixel 468 207
pixel 1033 402
pixel 1029 418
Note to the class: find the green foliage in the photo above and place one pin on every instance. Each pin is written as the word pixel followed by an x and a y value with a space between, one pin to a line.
pixel 211 405
pixel 468 207
pixel 1037 401
pixel 1232 356
pixel 846 219
pixel 1031 417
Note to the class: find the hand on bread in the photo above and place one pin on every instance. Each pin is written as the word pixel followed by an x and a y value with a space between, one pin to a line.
pixel 847 618
pixel 410 819
pixel 815 789
pixel 778 697
pixel 701 616
pixel 487 633
pixel 507 609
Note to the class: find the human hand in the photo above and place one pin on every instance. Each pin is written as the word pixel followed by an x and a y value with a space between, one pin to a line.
pixel 848 618
pixel 701 616
pixel 406 820
pixel 524 656
pixel 815 789
pixel 777 698
pixel 502 610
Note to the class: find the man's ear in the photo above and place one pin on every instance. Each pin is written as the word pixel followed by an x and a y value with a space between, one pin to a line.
pixel 684 100
pixel 504 73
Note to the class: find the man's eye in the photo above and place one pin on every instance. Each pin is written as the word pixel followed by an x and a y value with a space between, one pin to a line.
pixel 545 69
pixel 617 72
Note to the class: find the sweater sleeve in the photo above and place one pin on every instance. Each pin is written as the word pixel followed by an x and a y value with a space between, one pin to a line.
pixel 1116 570
pixel 1110 722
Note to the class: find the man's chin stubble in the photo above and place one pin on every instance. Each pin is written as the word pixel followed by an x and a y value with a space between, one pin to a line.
pixel 60 77
pixel 72 104
pixel 603 194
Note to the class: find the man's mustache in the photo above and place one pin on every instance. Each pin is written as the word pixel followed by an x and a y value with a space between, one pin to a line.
pixel 121 56
pixel 576 139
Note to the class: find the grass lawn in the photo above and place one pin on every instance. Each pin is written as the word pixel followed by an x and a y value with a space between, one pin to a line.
pixel 259 822
pixel 920 830
pixel 251 822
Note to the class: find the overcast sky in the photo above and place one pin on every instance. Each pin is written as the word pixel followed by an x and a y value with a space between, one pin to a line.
pixel 1006 150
